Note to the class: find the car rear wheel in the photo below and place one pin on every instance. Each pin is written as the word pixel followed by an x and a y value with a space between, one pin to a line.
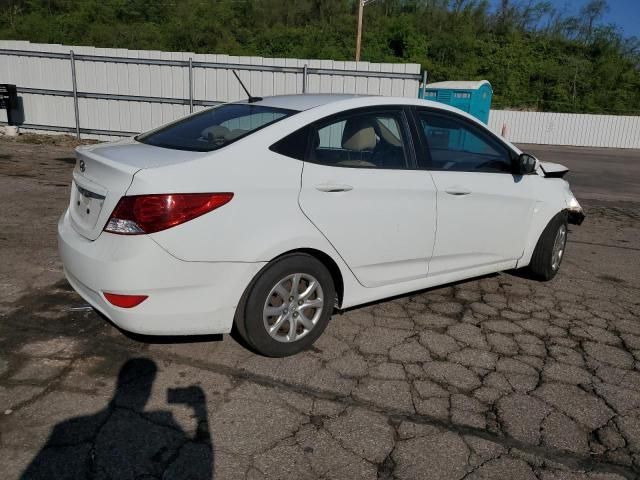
pixel 287 307
pixel 550 248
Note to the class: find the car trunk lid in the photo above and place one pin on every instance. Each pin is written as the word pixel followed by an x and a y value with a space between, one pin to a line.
pixel 98 183
pixel 103 174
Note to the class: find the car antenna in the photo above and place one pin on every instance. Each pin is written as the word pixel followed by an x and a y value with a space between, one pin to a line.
pixel 251 99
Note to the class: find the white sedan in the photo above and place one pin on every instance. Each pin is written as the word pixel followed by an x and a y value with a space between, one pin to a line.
pixel 265 216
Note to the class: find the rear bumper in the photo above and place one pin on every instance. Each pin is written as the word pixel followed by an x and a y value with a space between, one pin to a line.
pixel 185 298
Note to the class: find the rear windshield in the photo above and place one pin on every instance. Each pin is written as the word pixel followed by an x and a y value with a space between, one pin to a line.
pixel 214 128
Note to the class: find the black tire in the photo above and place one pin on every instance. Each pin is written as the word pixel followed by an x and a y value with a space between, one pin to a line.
pixel 250 323
pixel 543 265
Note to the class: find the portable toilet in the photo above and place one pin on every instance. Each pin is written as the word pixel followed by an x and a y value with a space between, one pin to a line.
pixel 473 97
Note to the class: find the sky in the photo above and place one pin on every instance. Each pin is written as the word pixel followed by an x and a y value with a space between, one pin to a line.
pixel 624 13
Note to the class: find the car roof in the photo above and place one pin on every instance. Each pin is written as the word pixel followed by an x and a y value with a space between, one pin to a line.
pixel 304 101
pixel 316 106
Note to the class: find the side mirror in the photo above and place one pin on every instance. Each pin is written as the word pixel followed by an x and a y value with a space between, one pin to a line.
pixel 525 164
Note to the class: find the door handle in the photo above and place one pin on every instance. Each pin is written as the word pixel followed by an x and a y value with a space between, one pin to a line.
pixel 333 188
pixel 456 190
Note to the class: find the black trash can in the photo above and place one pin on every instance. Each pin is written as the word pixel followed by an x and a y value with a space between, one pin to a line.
pixel 8 100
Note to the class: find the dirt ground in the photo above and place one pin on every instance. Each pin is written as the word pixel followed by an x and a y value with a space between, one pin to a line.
pixel 494 378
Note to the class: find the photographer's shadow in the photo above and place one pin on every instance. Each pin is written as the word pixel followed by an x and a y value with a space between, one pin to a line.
pixel 125 442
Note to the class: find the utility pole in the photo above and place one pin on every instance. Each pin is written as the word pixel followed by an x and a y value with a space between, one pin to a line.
pixel 359 34
pixel 361 5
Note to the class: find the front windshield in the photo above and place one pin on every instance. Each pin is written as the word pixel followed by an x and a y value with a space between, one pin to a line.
pixel 214 128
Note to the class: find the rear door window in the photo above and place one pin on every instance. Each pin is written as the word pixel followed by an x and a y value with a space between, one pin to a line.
pixel 214 128
pixel 371 139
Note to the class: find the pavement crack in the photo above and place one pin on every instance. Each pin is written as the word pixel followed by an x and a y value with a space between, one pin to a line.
pixel 567 458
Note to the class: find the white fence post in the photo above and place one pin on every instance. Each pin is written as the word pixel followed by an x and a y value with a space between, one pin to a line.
pixel 190 85
pixel 75 92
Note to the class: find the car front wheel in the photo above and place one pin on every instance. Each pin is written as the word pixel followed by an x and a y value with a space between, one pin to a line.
pixel 287 307
pixel 550 248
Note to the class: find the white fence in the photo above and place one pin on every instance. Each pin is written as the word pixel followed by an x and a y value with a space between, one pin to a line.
pixel 545 128
pixel 121 92
pixel 129 91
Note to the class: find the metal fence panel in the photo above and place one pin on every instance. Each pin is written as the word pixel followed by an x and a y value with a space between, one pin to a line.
pixel 150 93
pixel 548 128
pixel 156 87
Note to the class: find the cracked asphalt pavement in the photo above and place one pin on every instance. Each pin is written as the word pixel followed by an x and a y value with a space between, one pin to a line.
pixel 500 377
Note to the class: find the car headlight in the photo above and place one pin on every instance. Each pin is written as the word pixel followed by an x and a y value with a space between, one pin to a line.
pixel 570 199
pixel 572 203
pixel 576 214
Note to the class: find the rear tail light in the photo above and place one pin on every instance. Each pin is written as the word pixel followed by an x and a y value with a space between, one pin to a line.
pixel 125 301
pixel 140 214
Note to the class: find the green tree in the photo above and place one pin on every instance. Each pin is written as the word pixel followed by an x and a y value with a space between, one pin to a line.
pixel 535 56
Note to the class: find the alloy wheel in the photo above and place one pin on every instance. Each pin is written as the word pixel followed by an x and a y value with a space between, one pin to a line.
pixel 558 247
pixel 293 307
